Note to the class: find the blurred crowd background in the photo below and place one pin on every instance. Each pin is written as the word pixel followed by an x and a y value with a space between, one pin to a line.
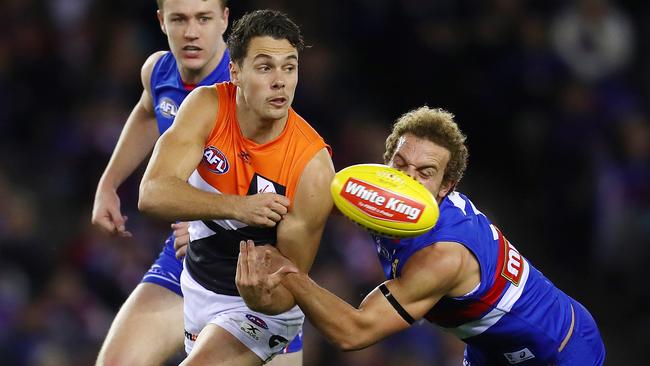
pixel 552 95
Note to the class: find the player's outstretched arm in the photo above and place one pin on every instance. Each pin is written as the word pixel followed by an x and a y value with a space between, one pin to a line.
pixel 138 136
pixel 299 235
pixel 164 190
pixel 391 307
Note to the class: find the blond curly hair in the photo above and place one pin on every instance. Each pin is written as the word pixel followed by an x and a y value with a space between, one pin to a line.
pixel 438 126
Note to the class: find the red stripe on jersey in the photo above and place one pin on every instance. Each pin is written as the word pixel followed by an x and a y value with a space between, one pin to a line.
pixel 457 312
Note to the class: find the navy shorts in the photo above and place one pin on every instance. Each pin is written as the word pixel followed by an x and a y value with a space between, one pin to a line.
pixel 585 347
pixel 166 272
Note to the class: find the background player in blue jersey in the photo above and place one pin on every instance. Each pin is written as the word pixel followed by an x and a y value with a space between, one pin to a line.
pixel 148 329
pixel 463 275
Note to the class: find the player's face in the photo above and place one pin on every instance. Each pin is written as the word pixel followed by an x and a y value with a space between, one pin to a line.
pixel 194 30
pixel 423 160
pixel 267 77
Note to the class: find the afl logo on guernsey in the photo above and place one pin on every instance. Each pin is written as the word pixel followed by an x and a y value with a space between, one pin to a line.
pixel 215 161
pixel 167 107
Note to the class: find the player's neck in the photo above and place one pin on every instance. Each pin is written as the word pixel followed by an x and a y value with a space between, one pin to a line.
pixel 258 129
pixel 194 77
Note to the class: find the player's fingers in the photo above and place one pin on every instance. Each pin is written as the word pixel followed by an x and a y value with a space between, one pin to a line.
pixel 180 227
pixel 251 260
pixel 274 279
pixel 105 223
pixel 105 218
pixel 283 200
pixel 180 244
pixel 180 224
pixel 181 238
pixel 273 216
pixel 180 252
pixel 181 241
pixel 266 259
pixel 179 232
pixel 265 221
pixel 238 270
pixel 269 223
pixel 120 227
pixel 278 208
pixel 125 234
pixel 242 262
pixel 118 220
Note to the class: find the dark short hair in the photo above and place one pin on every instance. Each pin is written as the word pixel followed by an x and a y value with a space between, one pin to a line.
pixel 260 23
pixel 224 4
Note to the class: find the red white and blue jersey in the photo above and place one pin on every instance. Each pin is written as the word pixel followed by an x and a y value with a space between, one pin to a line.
pixel 168 90
pixel 514 314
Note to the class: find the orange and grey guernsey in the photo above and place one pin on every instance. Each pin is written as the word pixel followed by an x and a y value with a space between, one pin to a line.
pixel 233 164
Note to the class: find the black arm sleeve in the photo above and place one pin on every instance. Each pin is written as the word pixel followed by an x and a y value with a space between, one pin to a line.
pixel 400 310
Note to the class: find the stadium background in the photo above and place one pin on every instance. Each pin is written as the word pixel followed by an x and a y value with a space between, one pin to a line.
pixel 552 95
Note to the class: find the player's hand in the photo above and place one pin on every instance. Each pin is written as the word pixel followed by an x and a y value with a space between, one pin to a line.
pixel 262 209
pixel 181 238
pixel 106 213
pixel 260 270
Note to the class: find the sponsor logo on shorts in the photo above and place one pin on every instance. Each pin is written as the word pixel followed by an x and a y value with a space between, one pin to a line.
pixel 167 107
pixel 519 356
pixel 250 329
pixel 257 321
pixel 190 336
pixel 215 161
pixel 277 340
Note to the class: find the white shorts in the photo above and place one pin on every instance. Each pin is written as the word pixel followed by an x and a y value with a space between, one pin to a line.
pixel 265 335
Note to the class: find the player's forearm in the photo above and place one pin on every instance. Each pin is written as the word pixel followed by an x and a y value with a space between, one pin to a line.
pixel 341 323
pixel 170 198
pixel 135 143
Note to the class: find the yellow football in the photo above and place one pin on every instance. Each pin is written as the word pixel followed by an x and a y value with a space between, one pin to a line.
pixel 384 200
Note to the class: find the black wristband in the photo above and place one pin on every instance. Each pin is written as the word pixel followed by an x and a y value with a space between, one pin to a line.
pixel 400 310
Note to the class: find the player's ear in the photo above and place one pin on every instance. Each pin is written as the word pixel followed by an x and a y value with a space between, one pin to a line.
pixel 161 20
pixel 234 72
pixel 445 188
pixel 224 17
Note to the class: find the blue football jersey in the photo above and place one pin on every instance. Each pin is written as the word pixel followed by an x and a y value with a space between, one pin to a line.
pixel 168 91
pixel 514 311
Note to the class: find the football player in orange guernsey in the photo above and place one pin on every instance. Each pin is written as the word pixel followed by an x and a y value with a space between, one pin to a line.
pixel 239 159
